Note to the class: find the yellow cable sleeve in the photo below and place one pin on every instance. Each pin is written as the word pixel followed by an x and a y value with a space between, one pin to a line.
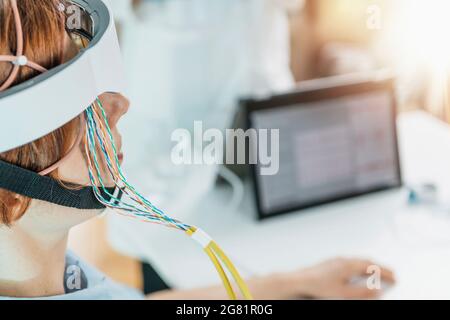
pixel 230 266
pixel 213 250
pixel 222 274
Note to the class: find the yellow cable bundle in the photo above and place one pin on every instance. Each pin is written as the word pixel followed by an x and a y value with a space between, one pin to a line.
pixel 101 148
pixel 217 255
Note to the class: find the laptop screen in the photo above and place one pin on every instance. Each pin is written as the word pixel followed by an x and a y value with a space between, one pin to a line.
pixel 329 149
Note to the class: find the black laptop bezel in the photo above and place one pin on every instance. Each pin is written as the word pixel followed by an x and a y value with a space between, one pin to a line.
pixel 314 94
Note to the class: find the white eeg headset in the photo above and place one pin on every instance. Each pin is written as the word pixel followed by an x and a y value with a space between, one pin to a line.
pixel 45 103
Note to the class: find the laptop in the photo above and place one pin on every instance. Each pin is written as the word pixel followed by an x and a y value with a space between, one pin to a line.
pixel 337 140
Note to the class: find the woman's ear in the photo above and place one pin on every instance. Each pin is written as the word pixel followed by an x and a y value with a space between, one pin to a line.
pixel 12 207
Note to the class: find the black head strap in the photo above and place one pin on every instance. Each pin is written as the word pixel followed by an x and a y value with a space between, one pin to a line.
pixel 30 184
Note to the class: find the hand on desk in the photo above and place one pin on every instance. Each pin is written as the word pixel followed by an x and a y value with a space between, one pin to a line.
pixel 334 279
pixel 328 280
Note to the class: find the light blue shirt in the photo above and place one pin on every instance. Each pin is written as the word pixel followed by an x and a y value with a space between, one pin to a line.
pixel 83 282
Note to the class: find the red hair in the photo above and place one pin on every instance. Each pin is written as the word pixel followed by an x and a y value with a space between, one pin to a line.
pixel 44 39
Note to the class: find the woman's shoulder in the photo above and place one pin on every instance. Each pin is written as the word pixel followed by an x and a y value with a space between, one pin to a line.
pixel 84 282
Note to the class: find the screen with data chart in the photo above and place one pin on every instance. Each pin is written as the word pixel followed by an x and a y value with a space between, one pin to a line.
pixel 331 147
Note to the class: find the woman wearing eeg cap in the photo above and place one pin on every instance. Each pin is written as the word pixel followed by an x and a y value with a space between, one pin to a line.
pixel 34 262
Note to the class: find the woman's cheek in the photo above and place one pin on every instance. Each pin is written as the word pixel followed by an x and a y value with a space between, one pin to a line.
pixel 75 169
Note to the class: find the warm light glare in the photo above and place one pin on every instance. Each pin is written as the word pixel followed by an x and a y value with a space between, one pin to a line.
pixel 421 32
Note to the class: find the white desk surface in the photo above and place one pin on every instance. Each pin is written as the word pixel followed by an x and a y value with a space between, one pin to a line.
pixel 414 242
